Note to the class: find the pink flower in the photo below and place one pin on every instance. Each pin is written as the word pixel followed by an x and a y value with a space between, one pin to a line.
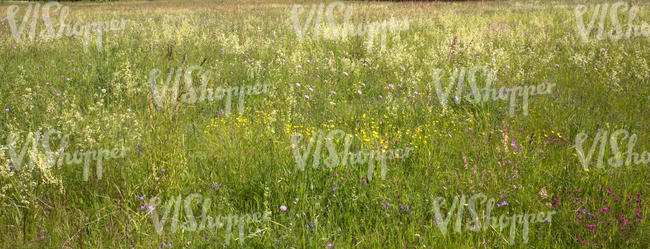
pixel 306 96
pixel 331 103
pixel 283 208
pixel 359 91
pixel 346 73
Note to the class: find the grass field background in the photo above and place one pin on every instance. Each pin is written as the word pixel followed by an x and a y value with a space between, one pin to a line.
pixel 245 164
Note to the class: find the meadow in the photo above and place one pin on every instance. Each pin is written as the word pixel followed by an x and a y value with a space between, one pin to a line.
pixel 124 94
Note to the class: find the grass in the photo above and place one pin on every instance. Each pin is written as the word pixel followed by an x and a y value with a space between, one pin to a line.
pixel 462 149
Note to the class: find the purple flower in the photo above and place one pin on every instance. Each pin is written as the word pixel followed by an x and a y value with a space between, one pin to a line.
pixel 346 73
pixel 11 167
pixel 391 86
pixel 163 170
pixel 330 245
pixel 306 96
pixel 141 198
pixel 6 109
pixel 283 208
pixel 143 207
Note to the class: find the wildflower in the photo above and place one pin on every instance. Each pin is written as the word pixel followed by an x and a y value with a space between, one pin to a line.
pixel 11 167
pixel 6 109
pixel 359 91
pixel 391 86
pixel 331 103
pixel 330 245
pixel 141 198
pixel 346 73
pixel 283 208
pixel 306 96
pixel 311 89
